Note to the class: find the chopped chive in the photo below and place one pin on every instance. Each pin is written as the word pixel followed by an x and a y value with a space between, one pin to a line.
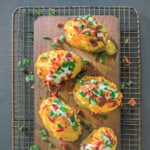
pixel 63 109
pixel 26 61
pixel 22 128
pixel 93 101
pixel 46 37
pixel 80 75
pixel 58 100
pixel 51 12
pixel 72 118
pixel 112 94
pixel 129 83
pixel 43 132
pixel 88 33
pixel 44 139
pixel 80 25
pixel 30 78
pixel 103 57
pixel 54 77
pixel 91 23
pixel 75 126
pixel 85 61
pixel 82 94
pixel 105 83
pixel 88 16
pixel 80 81
pixel 53 45
pixel 82 122
pixel 96 91
pixel 19 64
pixel 34 147
pixel 104 116
pixel 59 125
pixel 59 71
pixel 106 88
pixel 122 86
pixel 101 92
pixel 52 114
pixel 37 12
pixel 51 145
pixel 62 38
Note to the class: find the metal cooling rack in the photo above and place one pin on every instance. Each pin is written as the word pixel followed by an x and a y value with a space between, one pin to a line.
pixel 23 95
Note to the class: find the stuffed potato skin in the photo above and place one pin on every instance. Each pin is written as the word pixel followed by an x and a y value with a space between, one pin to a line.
pixel 58 65
pixel 60 119
pixel 97 94
pixel 86 33
pixel 103 138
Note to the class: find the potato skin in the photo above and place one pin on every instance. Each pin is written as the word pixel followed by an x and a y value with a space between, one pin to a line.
pixel 51 124
pixel 102 105
pixel 95 138
pixel 44 64
pixel 82 41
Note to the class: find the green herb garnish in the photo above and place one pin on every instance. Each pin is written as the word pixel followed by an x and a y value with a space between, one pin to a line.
pixel 58 100
pixel 122 86
pixel 129 83
pixel 63 109
pixel 53 45
pixel 80 81
pixel 82 94
pixel 34 147
pixel 52 114
pixel 103 57
pixel 43 132
pixel 51 12
pixel 80 26
pixel 51 145
pixel 22 128
pixel 59 125
pixel 104 116
pixel 85 61
pixel 46 37
pixel 44 139
pixel 62 38
pixel 30 78
pixel 37 12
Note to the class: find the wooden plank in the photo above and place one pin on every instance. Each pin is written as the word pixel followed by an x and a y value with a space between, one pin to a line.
pixel 111 70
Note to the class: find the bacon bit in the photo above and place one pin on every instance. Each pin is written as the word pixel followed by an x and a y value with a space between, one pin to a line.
pixel 56 40
pixel 60 130
pixel 101 101
pixel 127 40
pixel 54 94
pixel 59 24
pixel 128 63
pixel 90 113
pixel 51 119
pixel 55 107
pixel 132 102
pixel 111 104
pixel 63 145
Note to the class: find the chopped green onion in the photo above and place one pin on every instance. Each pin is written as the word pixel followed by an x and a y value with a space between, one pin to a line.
pixel 105 88
pixel 103 57
pixel 62 38
pixel 59 71
pixel 46 38
pixel 30 78
pixel 34 147
pixel 101 92
pixel 100 29
pixel 104 116
pixel 80 25
pixel 22 128
pixel 53 45
pixel 51 12
pixel 44 139
pixel 85 61
pixel 75 126
pixel 52 114
pixel 122 86
pixel 43 132
pixel 26 61
pixel 80 81
pixel 51 145
pixel 88 33
pixel 54 77
pixel 59 125
pixel 72 118
pixel 82 94
pixel 96 91
pixel 58 100
pixel 129 83
pixel 80 75
pixel 64 64
pixel 19 64
pixel 37 12
pixel 91 23
pixel 112 94
pixel 105 83
pixel 88 16
pixel 93 101
pixel 63 109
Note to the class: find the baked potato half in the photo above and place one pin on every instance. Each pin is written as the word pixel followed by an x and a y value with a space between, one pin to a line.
pixel 60 119
pixel 97 94
pixel 86 33
pixel 58 65
pixel 103 138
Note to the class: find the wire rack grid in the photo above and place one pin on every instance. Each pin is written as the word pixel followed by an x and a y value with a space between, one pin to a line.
pixel 22 47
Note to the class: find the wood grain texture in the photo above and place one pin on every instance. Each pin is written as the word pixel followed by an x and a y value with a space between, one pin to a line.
pixel 111 70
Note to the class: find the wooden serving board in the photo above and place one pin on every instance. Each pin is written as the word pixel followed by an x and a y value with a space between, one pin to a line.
pixel 111 70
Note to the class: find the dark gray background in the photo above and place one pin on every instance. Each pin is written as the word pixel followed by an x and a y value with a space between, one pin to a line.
pixel 6 10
